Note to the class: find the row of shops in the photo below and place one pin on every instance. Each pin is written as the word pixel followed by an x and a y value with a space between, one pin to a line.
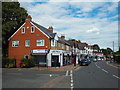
pixel 54 58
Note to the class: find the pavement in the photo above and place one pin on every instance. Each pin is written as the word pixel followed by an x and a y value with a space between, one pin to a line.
pixel 114 64
pixel 62 68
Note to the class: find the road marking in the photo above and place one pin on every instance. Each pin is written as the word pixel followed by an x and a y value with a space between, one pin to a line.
pixel 71 84
pixel 71 81
pixel 97 66
pixel 71 88
pixel 104 70
pixel 116 76
pixel 71 75
pixel 67 73
pixel 71 71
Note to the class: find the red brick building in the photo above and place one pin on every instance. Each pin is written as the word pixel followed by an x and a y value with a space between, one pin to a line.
pixel 32 39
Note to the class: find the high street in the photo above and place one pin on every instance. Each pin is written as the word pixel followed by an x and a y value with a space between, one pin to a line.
pixel 95 75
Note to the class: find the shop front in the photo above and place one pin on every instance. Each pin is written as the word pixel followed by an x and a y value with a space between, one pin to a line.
pixel 67 58
pixel 40 57
pixel 55 58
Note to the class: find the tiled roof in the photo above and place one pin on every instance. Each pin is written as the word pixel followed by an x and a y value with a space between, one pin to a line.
pixel 63 41
pixel 45 30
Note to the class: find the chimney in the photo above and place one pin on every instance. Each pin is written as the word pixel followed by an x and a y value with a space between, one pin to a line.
pixel 51 29
pixel 63 36
pixel 28 18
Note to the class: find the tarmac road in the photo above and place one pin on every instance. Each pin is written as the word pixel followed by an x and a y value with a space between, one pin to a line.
pixel 29 79
pixel 96 75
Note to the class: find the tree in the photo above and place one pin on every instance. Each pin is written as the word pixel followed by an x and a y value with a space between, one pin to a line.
pixel 107 51
pixel 78 41
pixel 13 17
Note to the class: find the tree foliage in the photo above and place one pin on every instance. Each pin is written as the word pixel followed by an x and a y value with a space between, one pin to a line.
pixel 107 51
pixel 13 17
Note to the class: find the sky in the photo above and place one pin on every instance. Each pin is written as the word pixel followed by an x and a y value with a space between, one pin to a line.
pixel 91 22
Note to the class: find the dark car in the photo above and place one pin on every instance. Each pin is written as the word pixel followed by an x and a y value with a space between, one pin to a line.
pixel 84 62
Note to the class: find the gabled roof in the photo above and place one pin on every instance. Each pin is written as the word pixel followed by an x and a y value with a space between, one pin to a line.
pixel 45 30
pixel 63 41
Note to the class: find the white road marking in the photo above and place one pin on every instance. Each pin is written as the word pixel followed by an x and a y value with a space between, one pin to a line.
pixel 116 76
pixel 71 88
pixel 104 70
pixel 67 73
pixel 71 81
pixel 71 71
pixel 98 66
pixel 71 75
pixel 71 84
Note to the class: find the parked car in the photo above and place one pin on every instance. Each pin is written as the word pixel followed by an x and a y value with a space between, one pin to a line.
pixel 91 59
pixel 85 62
pixel 94 60
pixel 99 59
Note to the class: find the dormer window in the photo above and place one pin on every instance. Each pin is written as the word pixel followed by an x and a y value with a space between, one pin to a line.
pixel 32 29
pixel 23 29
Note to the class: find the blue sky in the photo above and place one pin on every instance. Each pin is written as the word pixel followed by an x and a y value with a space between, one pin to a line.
pixel 91 22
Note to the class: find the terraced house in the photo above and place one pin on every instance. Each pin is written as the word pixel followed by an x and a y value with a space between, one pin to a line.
pixel 32 39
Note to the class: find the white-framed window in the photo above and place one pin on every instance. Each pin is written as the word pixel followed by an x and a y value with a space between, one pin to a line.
pixel 62 46
pixel 15 43
pixel 26 56
pixel 67 47
pixel 53 42
pixel 32 29
pixel 23 29
pixel 40 42
pixel 27 43
pixel 59 45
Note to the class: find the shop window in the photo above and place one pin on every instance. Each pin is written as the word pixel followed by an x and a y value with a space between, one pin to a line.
pixel 40 42
pixel 15 43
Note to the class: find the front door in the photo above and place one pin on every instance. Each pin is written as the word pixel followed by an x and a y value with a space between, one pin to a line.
pixel 55 61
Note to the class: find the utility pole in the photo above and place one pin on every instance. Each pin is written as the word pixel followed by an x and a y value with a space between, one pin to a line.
pixel 113 52
pixel 113 46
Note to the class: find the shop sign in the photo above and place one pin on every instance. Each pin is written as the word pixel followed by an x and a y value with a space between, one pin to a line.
pixel 55 51
pixel 39 51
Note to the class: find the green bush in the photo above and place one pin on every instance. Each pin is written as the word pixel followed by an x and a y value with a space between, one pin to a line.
pixel 27 62
pixel 8 62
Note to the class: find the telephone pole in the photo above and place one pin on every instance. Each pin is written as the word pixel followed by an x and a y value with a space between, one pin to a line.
pixel 113 52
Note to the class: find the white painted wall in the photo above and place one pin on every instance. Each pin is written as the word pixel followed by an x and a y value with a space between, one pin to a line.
pixel 49 59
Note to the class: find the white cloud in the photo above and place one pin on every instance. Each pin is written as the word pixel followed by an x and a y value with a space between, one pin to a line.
pixel 94 30
pixel 103 31
pixel 69 0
